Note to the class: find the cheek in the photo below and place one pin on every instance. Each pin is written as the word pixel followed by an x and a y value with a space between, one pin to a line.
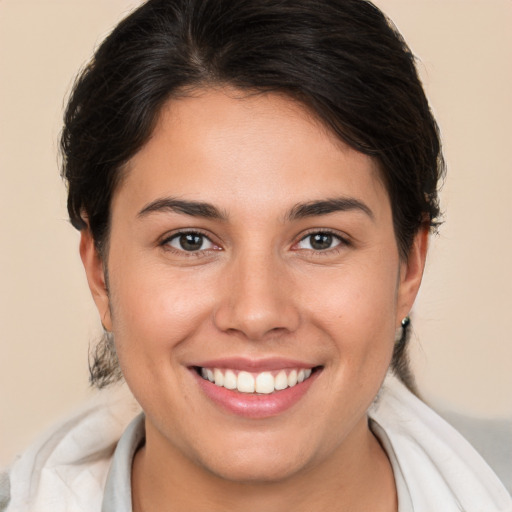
pixel 364 296
pixel 357 309
pixel 154 310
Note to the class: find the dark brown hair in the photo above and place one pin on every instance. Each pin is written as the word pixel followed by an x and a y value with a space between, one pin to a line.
pixel 343 59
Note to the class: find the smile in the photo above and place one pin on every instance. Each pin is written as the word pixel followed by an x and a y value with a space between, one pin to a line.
pixel 266 382
pixel 255 389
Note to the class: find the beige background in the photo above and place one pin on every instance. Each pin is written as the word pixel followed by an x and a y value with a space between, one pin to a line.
pixel 463 342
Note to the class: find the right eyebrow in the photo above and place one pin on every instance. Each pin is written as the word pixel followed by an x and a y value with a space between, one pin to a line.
pixel 327 206
pixel 192 208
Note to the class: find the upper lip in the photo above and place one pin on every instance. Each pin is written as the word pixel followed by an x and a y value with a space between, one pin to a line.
pixel 254 365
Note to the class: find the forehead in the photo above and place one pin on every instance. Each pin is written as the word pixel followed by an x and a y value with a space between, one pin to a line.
pixel 237 149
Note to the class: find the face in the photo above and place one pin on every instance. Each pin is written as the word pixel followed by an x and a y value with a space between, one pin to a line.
pixel 251 247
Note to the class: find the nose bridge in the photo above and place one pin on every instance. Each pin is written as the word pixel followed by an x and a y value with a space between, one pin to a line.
pixel 257 300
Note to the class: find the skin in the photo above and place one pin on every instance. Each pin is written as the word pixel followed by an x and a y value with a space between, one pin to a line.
pixel 258 289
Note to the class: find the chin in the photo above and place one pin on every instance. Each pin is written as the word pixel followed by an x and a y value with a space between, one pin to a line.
pixel 256 470
pixel 258 459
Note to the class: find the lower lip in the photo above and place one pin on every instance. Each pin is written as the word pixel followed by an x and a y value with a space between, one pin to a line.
pixel 255 406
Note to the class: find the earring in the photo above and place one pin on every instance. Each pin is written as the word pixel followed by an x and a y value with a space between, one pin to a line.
pixel 401 332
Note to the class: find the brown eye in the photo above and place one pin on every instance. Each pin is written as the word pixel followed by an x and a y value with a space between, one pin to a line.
pixel 190 242
pixel 320 241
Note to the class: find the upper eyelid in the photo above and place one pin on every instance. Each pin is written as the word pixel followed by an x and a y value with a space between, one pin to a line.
pixel 165 245
pixel 171 235
pixel 343 237
pixel 344 242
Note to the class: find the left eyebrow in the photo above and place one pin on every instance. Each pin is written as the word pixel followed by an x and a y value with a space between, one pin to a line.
pixel 192 208
pixel 326 206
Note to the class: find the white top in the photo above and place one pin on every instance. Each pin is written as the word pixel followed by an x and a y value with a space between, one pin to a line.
pixel 84 465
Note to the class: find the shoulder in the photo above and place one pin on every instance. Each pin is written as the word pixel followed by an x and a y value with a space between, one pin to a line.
pixel 439 467
pixel 67 467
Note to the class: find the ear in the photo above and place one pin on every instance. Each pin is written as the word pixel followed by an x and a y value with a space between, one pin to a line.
pixel 411 273
pixel 95 272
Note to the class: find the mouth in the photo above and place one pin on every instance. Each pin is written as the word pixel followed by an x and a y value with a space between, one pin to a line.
pixel 255 389
pixel 256 383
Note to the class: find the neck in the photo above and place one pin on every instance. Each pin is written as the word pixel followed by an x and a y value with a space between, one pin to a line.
pixel 356 477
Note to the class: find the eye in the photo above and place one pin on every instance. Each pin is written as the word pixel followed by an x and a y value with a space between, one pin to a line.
pixel 190 242
pixel 320 241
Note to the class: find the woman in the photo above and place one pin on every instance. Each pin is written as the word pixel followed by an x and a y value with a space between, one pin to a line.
pixel 254 183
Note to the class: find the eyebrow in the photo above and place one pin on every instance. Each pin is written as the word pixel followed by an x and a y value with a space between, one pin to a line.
pixel 299 211
pixel 327 206
pixel 192 208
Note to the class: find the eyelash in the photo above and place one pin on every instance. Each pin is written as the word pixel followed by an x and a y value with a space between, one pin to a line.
pixel 165 243
pixel 343 242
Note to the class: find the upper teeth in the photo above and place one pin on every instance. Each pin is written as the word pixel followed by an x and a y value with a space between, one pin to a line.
pixel 264 382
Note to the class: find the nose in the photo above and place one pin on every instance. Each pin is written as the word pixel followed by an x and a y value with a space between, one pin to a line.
pixel 257 299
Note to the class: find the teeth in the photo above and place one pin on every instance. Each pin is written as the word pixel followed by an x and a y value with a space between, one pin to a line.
pixel 219 377
pixel 281 381
pixel 245 382
pixel 207 374
pixel 230 380
pixel 263 383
